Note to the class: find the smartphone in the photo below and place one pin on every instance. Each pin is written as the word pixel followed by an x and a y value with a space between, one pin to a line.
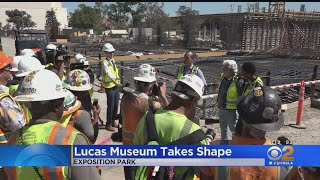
pixel 95 102
pixel 76 66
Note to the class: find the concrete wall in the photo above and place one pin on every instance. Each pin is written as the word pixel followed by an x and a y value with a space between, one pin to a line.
pixel 37 10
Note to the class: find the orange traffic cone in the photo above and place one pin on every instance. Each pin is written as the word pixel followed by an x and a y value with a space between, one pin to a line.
pixel 102 90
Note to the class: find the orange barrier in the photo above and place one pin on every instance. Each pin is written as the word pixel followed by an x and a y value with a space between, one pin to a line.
pixel 300 107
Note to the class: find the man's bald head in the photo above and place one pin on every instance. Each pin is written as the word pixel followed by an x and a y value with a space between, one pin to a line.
pixel 189 57
pixel 190 54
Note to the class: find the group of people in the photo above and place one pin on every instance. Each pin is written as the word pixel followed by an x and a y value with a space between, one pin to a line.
pixel 52 104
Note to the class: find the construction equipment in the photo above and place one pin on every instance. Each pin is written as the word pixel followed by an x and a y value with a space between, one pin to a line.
pixel 36 40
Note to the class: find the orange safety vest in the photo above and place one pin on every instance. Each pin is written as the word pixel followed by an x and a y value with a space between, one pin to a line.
pixel 242 172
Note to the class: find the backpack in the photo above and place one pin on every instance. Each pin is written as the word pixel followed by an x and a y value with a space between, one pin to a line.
pixel 167 173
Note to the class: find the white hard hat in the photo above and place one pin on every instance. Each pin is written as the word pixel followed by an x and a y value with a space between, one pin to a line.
pixel 70 103
pixel 146 73
pixel 78 80
pixel 51 47
pixel 232 64
pixel 28 52
pixel 86 63
pixel 108 47
pixel 192 81
pixel 15 63
pixel 40 85
pixel 80 58
pixel 28 64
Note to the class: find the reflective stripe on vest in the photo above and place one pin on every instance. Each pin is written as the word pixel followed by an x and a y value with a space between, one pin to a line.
pixel 27 114
pixel 232 93
pixel 58 135
pixel 65 120
pixel 194 70
pixel 252 85
pixel 4 132
pixel 106 81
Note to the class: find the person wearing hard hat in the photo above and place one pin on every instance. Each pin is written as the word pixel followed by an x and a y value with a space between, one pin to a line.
pixel 78 117
pixel 28 52
pixel 11 115
pixel 189 68
pixel 260 112
pixel 43 90
pixel 111 83
pixel 171 124
pixel 13 84
pixel 81 59
pixel 228 94
pixel 78 82
pixel 26 65
pixel 136 103
pixel 248 71
pixel 50 54
pixel 60 67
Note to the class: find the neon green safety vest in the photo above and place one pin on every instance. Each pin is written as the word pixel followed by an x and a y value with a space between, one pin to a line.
pixel 194 70
pixel 232 93
pixel 177 129
pixel 251 85
pixel 13 88
pixel 49 133
pixel 65 120
pixel 91 92
pixel 106 81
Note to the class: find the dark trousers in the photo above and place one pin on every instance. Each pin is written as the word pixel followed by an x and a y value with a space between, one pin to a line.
pixel 129 172
pixel 112 103
pixel 96 131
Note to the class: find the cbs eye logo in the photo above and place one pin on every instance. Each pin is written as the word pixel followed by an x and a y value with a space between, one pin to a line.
pixel 275 153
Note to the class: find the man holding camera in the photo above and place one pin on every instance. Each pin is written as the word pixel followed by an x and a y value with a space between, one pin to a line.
pixel 136 103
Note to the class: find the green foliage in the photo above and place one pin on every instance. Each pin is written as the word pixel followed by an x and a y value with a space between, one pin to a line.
pixel 51 19
pixel 85 17
pixel 118 13
pixel 20 19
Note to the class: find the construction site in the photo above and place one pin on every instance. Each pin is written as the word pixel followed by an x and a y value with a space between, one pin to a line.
pixel 283 45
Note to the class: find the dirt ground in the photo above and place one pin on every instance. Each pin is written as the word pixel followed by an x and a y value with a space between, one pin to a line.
pixel 310 135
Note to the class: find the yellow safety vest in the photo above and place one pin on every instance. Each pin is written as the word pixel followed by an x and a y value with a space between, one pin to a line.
pixel 232 93
pixel 194 70
pixel 65 120
pixel 251 85
pixel 48 133
pixel 13 88
pixel 106 81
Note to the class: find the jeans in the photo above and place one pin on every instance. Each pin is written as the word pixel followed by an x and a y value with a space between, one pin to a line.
pixel 227 119
pixel 112 103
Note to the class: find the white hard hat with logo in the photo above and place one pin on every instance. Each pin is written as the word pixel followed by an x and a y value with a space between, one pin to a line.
pixel 78 80
pixel 108 47
pixel 51 47
pixel 28 52
pixel 80 58
pixel 232 64
pixel 146 73
pixel 189 85
pixel 15 63
pixel 40 85
pixel 86 63
pixel 28 64
pixel 70 103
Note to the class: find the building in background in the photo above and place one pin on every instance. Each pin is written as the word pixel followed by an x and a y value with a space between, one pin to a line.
pixel 37 10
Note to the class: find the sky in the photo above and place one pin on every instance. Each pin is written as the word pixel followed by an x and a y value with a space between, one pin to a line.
pixel 210 7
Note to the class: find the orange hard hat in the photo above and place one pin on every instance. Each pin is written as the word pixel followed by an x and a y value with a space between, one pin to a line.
pixel 4 60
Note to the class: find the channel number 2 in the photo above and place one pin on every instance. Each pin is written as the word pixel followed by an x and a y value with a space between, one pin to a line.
pixel 275 153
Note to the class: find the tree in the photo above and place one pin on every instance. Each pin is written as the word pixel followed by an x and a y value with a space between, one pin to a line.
pixel 85 17
pixel 20 19
pixel 190 22
pixel 118 13
pixel 101 8
pixel 51 19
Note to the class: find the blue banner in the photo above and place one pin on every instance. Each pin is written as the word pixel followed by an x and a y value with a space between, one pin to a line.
pixel 120 155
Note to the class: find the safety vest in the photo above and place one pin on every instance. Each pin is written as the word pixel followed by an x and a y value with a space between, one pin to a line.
pixel 251 85
pixel 49 133
pixel 91 92
pixel 232 93
pixel 106 81
pixel 4 132
pixel 13 88
pixel 234 173
pixel 194 70
pixel 49 66
pixel 66 119
pixel 181 127
pixel 26 113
